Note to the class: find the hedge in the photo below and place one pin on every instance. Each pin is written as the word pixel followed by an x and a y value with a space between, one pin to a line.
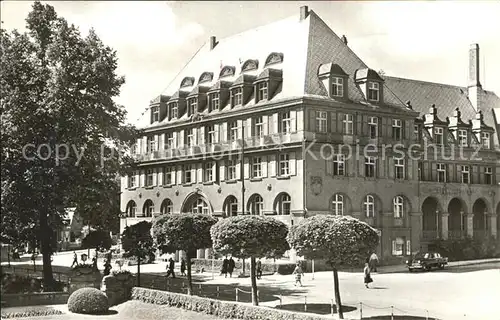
pixel 31 313
pixel 88 301
pixel 217 308
pixel 283 268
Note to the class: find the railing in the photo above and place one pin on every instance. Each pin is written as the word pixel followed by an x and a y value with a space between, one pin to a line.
pixel 429 234
pixel 456 234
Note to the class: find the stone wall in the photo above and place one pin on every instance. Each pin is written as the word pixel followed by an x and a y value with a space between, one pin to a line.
pixel 35 299
pixel 84 278
pixel 117 288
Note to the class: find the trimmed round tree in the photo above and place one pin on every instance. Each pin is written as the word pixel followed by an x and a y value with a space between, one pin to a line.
pixel 340 240
pixel 250 237
pixel 138 242
pixel 187 232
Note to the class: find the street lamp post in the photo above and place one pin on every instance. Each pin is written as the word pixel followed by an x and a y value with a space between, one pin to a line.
pixel 242 175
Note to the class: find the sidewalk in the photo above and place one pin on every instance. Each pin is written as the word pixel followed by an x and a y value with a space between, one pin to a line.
pixel 452 264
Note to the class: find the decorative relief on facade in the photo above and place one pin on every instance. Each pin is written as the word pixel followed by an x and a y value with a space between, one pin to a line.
pixel 227 71
pixel 187 82
pixel 442 190
pixel 274 58
pixel 140 195
pixel 158 194
pixel 316 185
pixel 206 77
pixel 250 65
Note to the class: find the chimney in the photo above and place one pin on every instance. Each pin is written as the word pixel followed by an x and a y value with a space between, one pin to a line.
pixel 344 39
pixel 304 12
pixel 474 86
pixel 213 42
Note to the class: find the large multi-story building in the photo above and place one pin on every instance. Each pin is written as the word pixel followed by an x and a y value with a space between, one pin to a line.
pixel 298 125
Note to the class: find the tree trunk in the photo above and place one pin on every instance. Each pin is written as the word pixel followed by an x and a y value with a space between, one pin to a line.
pixel 336 291
pixel 255 299
pixel 8 254
pixel 188 267
pixel 243 271
pixel 48 278
pixel 138 271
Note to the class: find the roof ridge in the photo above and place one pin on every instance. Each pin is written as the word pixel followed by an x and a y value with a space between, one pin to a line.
pixel 427 82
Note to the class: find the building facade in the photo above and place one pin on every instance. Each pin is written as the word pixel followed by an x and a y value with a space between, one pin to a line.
pixel 292 127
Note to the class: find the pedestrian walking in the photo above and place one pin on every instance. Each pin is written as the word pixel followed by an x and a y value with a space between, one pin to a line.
pixel 259 269
pixel 75 259
pixel 373 262
pixel 368 278
pixel 298 274
pixel 223 268
pixel 183 267
pixel 170 268
pixel 230 267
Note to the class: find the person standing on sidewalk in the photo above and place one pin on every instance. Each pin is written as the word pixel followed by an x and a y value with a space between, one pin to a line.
pixel 259 269
pixel 183 267
pixel 368 278
pixel 298 274
pixel 171 266
pixel 230 267
pixel 75 259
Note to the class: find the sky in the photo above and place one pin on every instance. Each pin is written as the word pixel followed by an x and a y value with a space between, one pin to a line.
pixel 154 39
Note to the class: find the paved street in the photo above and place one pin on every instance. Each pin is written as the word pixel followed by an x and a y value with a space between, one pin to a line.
pixel 465 292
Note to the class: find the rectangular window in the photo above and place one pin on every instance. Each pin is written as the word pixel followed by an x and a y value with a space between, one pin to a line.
pixel 258 127
pixel 441 172
pixel 213 101
pixel 321 121
pixel 149 177
pixel 210 134
pixel 396 129
pixel 337 87
pixel 373 127
pixel 156 113
pixel 233 131
pixel 168 176
pixel 465 174
pixel 373 91
pixel 187 173
pixel 438 135
pixel 286 122
pixel 399 168
pixel 174 110
pixel 462 138
pixel 370 167
pixel 208 173
pixel 236 97
pixel 231 169
pixel 192 106
pixel 339 165
pixel 348 124
pixel 256 167
pixel 261 91
pixel 169 141
pixel 416 132
pixel 488 176
pixel 485 140
pixel 398 246
pixel 131 181
pixel 190 135
pixel 284 164
pixel 151 145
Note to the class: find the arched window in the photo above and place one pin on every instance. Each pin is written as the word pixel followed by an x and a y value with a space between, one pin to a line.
pixel 131 208
pixel 338 205
pixel 256 205
pixel 147 210
pixel 398 203
pixel 199 206
pixel 231 206
pixel 167 207
pixel 369 206
pixel 283 204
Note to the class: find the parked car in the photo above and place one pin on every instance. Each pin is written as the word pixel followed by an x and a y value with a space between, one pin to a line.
pixel 426 261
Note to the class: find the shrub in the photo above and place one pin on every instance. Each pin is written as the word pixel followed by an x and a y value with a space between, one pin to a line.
pixel 220 309
pixel 31 313
pixel 121 272
pixel 88 301
pixel 283 268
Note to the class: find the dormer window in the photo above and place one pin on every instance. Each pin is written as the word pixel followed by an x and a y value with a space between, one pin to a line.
pixel 262 91
pixel 213 101
pixel 438 135
pixel 337 87
pixel 173 108
pixel 236 97
pixel 192 106
pixel 373 91
pixel 462 138
pixel 485 140
pixel 156 113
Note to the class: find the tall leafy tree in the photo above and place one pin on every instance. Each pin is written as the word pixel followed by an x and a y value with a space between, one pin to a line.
pixel 186 232
pixel 340 240
pixel 98 240
pixel 63 136
pixel 138 242
pixel 250 237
